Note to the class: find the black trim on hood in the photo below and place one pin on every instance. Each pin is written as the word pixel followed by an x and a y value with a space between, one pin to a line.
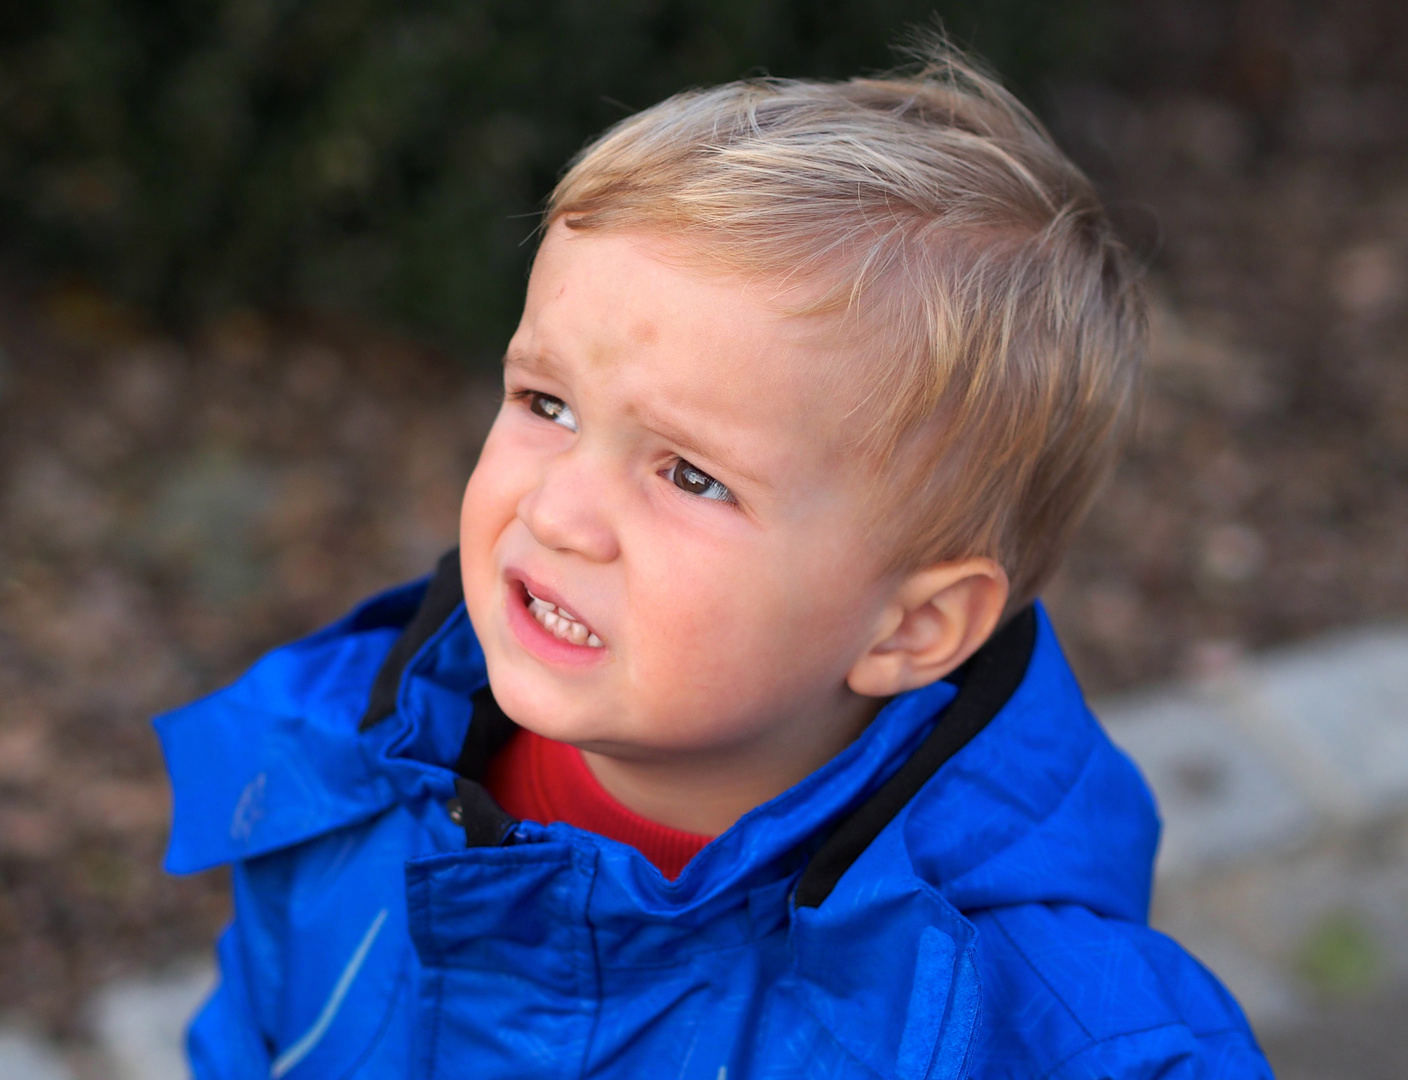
pixel 473 808
pixel 484 821
pixel 442 596
pixel 489 729
pixel 989 678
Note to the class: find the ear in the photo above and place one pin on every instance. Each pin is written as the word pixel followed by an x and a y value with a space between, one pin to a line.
pixel 937 618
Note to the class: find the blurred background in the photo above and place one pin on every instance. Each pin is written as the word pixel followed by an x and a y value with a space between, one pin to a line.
pixel 258 259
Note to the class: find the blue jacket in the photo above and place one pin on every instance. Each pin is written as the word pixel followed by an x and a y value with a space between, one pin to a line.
pixel 961 893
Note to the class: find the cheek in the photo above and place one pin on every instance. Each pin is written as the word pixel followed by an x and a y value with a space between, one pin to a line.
pixel 720 617
pixel 491 486
pixel 683 598
pixel 473 519
pixel 490 503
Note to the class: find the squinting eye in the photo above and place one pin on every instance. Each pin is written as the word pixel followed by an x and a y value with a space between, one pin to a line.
pixel 687 478
pixel 554 409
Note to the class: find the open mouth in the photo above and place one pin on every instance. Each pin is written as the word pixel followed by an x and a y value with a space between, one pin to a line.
pixel 559 622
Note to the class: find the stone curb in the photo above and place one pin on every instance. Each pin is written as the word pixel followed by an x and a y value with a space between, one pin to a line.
pixel 1283 785
pixel 1298 744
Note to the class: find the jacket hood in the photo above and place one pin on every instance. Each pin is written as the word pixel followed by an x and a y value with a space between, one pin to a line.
pixel 1037 806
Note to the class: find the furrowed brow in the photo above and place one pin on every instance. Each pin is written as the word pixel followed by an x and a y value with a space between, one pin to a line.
pixel 530 362
pixel 711 453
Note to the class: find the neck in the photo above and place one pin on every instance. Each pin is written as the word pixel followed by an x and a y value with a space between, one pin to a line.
pixel 707 791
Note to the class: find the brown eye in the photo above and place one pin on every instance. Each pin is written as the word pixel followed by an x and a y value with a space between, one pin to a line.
pixel 687 478
pixel 554 409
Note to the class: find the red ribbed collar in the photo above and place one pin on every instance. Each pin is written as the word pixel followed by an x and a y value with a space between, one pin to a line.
pixel 544 780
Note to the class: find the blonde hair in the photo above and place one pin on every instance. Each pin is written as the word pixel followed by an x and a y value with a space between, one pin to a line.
pixel 1003 321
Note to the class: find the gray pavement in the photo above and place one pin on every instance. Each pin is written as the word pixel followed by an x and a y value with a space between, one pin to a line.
pixel 24 1056
pixel 140 1024
pixel 1283 782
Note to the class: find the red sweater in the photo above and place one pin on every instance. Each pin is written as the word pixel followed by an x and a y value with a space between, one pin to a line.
pixel 544 780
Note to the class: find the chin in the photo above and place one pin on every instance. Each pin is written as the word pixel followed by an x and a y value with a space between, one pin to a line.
pixel 532 708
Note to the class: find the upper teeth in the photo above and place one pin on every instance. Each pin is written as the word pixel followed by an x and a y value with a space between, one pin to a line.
pixel 561 624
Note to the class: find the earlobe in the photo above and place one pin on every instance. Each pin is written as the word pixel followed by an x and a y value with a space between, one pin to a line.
pixel 938 617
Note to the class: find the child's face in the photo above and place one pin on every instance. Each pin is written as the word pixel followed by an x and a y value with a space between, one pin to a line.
pixel 669 469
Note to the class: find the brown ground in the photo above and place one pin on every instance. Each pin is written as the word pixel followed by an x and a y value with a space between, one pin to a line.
pixel 168 509
pixel 1266 498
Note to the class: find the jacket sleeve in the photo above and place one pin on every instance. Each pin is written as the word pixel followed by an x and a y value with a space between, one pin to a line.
pixel 1069 995
pixel 1169 1053
pixel 230 1037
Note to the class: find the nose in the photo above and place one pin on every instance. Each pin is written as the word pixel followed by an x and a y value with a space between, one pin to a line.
pixel 567 510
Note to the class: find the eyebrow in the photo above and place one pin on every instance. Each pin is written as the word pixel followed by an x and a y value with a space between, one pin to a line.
pixel 693 445
pixel 534 363
pixel 539 363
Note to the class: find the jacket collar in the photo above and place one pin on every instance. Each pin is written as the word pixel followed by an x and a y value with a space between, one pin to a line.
pixel 1024 799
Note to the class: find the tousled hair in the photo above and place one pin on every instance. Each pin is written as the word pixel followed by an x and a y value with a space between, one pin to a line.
pixel 999 320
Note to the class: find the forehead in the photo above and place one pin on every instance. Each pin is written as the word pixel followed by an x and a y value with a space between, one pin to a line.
pixel 638 312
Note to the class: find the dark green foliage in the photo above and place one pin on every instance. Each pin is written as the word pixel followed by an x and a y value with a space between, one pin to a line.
pixel 385 156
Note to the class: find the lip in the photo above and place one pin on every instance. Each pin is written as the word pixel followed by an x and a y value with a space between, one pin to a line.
pixel 535 638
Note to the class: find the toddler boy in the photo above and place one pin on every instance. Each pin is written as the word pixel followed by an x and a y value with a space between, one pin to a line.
pixel 731 742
